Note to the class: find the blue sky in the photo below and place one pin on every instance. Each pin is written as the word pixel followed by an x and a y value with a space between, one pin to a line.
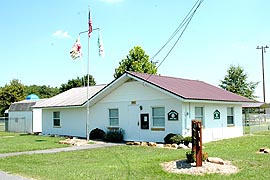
pixel 38 35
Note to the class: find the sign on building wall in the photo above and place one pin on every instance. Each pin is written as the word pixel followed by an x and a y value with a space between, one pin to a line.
pixel 216 114
pixel 173 115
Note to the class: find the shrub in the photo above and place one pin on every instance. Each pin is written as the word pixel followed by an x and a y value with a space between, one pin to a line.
pixel 167 138
pixel 97 134
pixel 190 157
pixel 187 140
pixel 204 156
pixel 114 135
pixel 177 139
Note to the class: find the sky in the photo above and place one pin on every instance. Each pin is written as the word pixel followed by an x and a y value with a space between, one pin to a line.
pixel 37 37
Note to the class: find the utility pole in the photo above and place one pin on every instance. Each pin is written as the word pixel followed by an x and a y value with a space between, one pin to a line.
pixel 263 51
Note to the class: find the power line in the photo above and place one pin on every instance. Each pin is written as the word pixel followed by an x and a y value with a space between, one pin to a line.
pixel 184 24
pixel 176 31
pixel 188 21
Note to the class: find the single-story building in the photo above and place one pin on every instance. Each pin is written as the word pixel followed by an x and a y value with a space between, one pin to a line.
pixel 23 118
pixel 147 107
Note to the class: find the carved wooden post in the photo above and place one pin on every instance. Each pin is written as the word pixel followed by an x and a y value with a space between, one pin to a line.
pixel 197 141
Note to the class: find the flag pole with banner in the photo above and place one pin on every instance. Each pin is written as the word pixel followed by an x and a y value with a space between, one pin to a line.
pixel 90 29
pixel 76 53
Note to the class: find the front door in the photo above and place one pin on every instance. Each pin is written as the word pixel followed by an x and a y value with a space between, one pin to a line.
pixel 133 131
pixel 144 121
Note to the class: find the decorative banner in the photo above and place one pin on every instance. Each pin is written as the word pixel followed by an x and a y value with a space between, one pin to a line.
pixel 100 45
pixel 173 115
pixel 216 114
pixel 75 51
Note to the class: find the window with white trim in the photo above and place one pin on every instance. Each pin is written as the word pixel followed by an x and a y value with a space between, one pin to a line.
pixel 158 116
pixel 113 117
pixel 199 115
pixel 230 116
pixel 56 119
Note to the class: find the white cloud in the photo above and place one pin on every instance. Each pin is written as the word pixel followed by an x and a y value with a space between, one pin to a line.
pixel 61 34
pixel 112 1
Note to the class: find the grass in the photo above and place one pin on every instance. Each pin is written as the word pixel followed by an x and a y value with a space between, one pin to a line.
pixel 16 142
pixel 133 162
pixel 2 126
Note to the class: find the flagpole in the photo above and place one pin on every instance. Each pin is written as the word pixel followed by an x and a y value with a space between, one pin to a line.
pixel 88 83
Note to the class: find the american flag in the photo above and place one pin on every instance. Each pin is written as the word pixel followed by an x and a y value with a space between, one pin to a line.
pixel 89 24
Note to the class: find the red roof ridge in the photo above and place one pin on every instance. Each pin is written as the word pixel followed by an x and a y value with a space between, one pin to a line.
pixel 163 76
pixel 190 89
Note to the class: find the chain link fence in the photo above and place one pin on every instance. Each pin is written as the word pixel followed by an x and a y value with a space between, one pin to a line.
pixel 3 124
pixel 16 124
pixel 256 123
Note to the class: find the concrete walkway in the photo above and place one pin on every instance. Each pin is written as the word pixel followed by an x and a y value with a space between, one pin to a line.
pixel 56 150
pixel 6 176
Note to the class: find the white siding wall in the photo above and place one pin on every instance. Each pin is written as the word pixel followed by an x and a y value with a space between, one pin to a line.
pixel 37 120
pixel 20 121
pixel 72 122
pixel 128 98
pixel 129 114
pixel 214 129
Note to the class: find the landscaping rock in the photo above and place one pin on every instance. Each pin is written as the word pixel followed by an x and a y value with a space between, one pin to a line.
pixel 152 144
pixel 182 146
pixel 130 143
pixel 167 145
pixel 160 145
pixel 137 143
pixel 174 146
pixel 74 142
pixel 215 160
pixel 267 151
pixel 144 144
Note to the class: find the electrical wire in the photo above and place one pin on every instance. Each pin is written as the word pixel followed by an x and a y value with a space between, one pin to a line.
pixel 176 31
pixel 184 24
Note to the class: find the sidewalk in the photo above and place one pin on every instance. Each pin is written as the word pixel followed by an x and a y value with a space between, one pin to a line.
pixel 6 176
pixel 56 150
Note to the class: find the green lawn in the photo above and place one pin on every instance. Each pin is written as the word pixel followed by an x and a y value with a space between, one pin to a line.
pixel 16 142
pixel 2 126
pixel 133 162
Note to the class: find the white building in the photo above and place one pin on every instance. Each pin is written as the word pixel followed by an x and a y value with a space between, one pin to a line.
pixel 147 107
pixel 23 118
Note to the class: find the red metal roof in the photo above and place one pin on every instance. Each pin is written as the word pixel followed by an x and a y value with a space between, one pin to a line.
pixel 190 89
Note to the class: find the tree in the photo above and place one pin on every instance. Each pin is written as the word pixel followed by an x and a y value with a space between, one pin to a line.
pixel 236 81
pixel 11 93
pixel 41 91
pixel 78 82
pixel 136 61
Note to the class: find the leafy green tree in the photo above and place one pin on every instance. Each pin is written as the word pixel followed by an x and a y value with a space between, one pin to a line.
pixel 11 93
pixel 138 61
pixel 236 81
pixel 41 91
pixel 78 82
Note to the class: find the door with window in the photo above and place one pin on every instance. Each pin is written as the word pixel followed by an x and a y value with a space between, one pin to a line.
pixel 144 121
